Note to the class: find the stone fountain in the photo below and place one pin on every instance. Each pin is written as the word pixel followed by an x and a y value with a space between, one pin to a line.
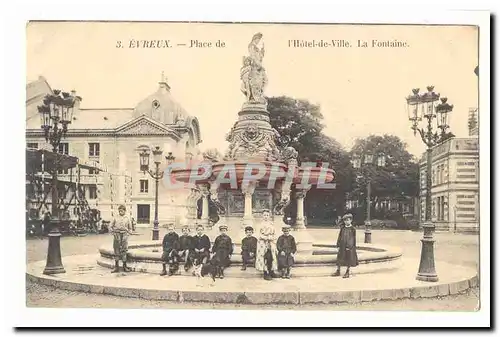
pixel 241 194
pixel 253 141
pixel 253 144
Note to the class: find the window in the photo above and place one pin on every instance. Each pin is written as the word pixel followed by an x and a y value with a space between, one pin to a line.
pixel 63 149
pixel 438 208
pixel 94 149
pixel 32 146
pixel 144 185
pixel 92 192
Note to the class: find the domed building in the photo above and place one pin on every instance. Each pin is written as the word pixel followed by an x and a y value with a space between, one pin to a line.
pixel 114 138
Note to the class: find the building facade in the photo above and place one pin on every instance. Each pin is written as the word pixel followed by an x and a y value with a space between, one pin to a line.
pixel 455 185
pixel 113 140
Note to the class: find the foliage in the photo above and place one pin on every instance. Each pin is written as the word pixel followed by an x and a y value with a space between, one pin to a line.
pixel 299 124
pixel 396 180
pixel 297 121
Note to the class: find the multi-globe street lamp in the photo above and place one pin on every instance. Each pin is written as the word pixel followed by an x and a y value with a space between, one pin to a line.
pixel 55 114
pixel 367 161
pixel 425 108
pixel 157 175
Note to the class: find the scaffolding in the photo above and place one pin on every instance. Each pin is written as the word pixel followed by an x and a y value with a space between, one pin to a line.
pixel 77 215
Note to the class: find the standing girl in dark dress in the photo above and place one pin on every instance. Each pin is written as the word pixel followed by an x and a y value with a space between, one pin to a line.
pixel 346 244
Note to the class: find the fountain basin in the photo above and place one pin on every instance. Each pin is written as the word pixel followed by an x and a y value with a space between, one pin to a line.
pixel 146 257
pixel 251 171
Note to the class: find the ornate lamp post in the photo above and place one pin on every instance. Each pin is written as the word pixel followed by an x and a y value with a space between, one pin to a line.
pixel 358 163
pixel 55 114
pixel 157 175
pixel 425 106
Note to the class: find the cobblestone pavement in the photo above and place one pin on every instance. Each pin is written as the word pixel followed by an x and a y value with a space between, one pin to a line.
pixel 453 248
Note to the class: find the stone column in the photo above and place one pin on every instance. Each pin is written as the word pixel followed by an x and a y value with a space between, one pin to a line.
pixel 247 189
pixel 300 221
pixel 204 189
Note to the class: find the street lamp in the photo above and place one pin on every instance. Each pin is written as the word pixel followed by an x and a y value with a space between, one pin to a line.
pixel 157 175
pixel 419 107
pixel 169 158
pixel 55 115
pixel 358 163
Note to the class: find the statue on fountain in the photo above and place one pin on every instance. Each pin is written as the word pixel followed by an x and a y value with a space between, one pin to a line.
pixel 252 74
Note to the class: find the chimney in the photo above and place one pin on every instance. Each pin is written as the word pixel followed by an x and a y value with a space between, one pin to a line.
pixel 78 99
pixel 163 83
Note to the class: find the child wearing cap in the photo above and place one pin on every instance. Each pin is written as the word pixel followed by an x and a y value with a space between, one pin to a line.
pixel 186 247
pixel 170 254
pixel 223 249
pixel 346 243
pixel 286 251
pixel 201 245
pixel 121 228
pixel 248 247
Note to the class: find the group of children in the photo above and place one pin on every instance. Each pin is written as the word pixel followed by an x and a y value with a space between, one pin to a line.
pixel 268 254
pixel 197 249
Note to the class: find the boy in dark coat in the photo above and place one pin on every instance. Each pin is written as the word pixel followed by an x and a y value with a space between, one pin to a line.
pixel 186 247
pixel 248 247
pixel 201 245
pixel 346 244
pixel 223 249
pixel 287 248
pixel 170 254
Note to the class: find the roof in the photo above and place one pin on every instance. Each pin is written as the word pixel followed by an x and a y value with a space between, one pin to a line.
pixel 101 118
pixel 92 119
pixel 35 92
pixel 161 106
pixel 454 145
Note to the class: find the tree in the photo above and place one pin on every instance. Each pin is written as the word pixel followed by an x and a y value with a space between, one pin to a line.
pixel 297 121
pixel 396 180
pixel 299 124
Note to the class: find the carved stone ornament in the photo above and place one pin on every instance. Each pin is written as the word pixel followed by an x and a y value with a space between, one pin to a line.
pixel 248 188
pixel 255 118
pixel 284 199
pixel 211 155
pixel 300 194
pixel 253 142
pixel 143 128
pixel 289 153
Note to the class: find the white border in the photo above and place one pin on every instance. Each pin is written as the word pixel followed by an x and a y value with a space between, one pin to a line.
pixel 14 257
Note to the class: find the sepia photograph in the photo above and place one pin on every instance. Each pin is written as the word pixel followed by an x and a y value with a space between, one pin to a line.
pixel 254 166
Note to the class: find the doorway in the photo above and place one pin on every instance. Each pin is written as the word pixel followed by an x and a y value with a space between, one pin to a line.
pixel 143 214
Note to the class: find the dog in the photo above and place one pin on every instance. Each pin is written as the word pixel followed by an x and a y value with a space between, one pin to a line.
pixel 202 270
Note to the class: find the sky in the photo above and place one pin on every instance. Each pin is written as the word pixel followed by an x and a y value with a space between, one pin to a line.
pixel 361 90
